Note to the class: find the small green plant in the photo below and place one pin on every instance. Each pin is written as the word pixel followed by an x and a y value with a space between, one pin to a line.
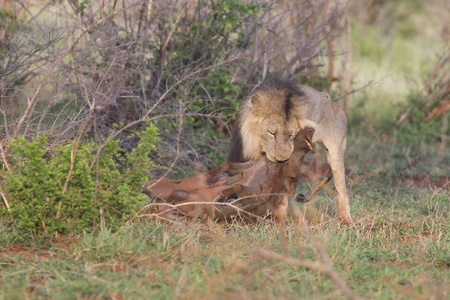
pixel 106 192
pixel 418 128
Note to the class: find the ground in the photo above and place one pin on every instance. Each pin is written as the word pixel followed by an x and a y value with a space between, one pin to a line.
pixel 399 247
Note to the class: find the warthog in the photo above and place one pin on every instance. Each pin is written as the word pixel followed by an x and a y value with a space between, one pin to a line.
pixel 249 190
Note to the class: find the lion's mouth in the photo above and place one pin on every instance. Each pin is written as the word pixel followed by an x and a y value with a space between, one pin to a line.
pixel 282 161
pixel 273 158
pixel 268 157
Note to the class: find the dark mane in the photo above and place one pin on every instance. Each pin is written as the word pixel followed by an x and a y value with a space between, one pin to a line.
pixel 287 87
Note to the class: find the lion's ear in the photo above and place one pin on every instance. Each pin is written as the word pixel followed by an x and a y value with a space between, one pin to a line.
pixel 326 95
pixel 254 98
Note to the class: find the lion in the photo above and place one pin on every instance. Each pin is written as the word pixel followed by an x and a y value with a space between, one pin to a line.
pixel 247 190
pixel 271 115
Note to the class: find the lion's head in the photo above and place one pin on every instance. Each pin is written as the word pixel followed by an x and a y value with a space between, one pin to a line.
pixel 267 124
pixel 277 138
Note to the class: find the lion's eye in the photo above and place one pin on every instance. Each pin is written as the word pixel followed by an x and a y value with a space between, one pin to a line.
pixel 272 133
pixel 292 136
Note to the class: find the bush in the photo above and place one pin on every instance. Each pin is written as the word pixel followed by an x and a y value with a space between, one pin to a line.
pixel 106 191
pixel 184 65
pixel 418 128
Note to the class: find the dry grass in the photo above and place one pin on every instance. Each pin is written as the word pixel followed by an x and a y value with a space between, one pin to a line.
pixel 398 249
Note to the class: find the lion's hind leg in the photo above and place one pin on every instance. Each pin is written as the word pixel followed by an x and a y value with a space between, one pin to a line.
pixel 335 158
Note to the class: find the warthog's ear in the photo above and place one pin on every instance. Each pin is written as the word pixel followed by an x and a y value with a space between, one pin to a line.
pixel 309 136
pixel 145 189
pixel 310 131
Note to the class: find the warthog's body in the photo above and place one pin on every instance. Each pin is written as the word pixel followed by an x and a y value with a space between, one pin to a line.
pixel 249 190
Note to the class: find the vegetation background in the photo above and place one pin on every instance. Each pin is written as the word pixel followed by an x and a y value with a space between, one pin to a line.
pixel 98 97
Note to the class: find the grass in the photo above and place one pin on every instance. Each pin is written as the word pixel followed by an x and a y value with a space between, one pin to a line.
pixel 399 248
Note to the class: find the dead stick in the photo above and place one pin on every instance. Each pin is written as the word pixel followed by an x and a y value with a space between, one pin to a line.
pixel 173 28
pixel 44 80
pixel 5 160
pixel 6 201
pixel 314 265
pixel 73 155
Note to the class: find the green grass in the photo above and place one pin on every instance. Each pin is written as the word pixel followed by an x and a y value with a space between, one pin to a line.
pixel 399 249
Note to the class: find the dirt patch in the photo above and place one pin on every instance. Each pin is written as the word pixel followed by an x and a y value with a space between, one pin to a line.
pixel 397 264
pixel 64 243
pixel 314 171
pixel 425 181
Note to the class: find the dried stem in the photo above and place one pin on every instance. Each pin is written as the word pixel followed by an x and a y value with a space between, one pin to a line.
pixel 174 27
pixel 163 96
pixel 353 91
pixel 325 268
pixel 6 201
pixel 330 48
pixel 436 68
pixel 213 203
pixel 44 81
pixel 72 158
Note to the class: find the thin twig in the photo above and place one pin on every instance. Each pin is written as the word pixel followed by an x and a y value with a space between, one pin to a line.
pixel 6 201
pixel 354 91
pixel 72 159
pixel 2 149
pixel 436 68
pixel 174 27
pixel 231 204
pixel 44 80
pixel 314 265
pixel 163 96
pixel 5 160
pixel 102 16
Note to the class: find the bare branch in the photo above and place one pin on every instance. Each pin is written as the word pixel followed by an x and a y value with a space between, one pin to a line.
pixel 44 81
pixel 322 267
pixel 354 91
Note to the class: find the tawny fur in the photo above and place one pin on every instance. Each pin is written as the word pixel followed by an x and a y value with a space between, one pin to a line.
pixel 274 110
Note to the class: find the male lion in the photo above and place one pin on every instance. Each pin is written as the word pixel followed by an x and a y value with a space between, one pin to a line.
pixel 274 111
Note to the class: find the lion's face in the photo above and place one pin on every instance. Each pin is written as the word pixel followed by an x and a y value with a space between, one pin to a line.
pixel 277 137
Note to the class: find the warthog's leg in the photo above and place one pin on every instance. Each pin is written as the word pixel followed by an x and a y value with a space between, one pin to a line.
pixel 213 177
pixel 234 189
pixel 239 168
pixel 319 187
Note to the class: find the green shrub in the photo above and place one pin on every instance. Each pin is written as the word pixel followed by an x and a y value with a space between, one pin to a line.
pixel 418 128
pixel 104 191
